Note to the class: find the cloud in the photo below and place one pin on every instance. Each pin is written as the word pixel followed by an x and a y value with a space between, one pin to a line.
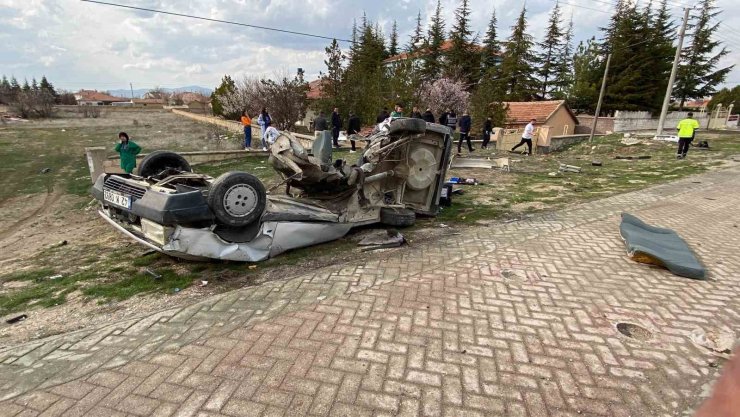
pixel 77 44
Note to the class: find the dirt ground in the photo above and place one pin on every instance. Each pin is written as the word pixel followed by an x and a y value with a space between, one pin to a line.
pixel 67 269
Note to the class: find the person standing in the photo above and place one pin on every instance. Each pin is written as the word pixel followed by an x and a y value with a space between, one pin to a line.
pixel 397 112
pixel 353 128
pixel 527 136
pixel 428 116
pixel 382 115
pixel 487 130
pixel 443 117
pixel 264 120
pixel 127 150
pixel 320 123
pixel 247 124
pixel 465 123
pixel 415 113
pixel 336 126
pixel 452 121
pixel 686 131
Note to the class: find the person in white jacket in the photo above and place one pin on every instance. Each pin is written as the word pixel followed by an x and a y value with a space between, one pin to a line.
pixel 264 121
pixel 527 137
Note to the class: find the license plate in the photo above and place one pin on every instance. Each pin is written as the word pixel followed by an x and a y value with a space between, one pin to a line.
pixel 117 198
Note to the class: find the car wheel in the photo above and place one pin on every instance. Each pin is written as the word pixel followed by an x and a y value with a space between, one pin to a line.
pixel 159 161
pixel 407 126
pixel 237 198
pixel 397 217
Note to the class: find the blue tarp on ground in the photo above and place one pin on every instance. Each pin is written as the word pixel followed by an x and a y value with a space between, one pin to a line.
pixel 649 244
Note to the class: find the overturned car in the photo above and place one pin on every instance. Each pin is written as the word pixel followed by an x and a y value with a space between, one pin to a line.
pixel 167 207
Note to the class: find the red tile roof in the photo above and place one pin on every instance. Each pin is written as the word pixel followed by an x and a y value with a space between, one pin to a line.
pixel 93 95
pixel 314 89
pixel 446 45
pixel 521 112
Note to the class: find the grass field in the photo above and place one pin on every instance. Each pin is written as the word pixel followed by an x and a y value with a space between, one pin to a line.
pixel 101 267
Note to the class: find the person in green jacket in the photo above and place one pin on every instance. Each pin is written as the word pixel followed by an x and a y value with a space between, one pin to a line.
pixel 128 151
pixel 686 131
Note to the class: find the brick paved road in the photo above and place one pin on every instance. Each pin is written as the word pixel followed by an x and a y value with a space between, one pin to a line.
pixel 515 319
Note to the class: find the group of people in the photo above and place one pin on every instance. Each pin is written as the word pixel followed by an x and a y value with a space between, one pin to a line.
pixel 268 132
pixel 321 123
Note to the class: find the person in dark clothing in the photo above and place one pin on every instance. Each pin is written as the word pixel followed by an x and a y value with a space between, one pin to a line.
pixel 487 130
pixel 336 126
pixel 415 113
pixel 428 116
pixel 353 128
pixel 465 123
pixel 452 121
pixel 320 123
pixel 382 115
pixel 443 117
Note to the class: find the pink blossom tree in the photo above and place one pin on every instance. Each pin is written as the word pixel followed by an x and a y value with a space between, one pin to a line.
pixel 444 94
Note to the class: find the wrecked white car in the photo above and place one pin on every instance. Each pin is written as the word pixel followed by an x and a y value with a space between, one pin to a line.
pixel 399 175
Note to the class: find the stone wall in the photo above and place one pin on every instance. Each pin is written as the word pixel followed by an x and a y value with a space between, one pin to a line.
pixel 603 125
pixel 629 121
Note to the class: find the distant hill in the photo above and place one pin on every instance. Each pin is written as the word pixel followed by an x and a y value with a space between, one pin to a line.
pixel 123 92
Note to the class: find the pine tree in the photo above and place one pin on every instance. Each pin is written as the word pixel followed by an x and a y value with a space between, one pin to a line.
pixel 45 85
pixel 552 48
pixel 726 97
pixel 364 76
pixel 393 44
pixel 491 52
pixel 433 45
pixel 331 82
pixel 563 82
pixel 14 86
pixel 698 75
pixel 588 66
pixel 5 90
pixel 34 84
pixel 459 62
pixel 517 66
pixel 26 87
pixel 417 37
pixel 661 52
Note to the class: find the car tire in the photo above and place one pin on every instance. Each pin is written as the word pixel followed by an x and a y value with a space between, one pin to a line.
pixel 159 161
pixel 237 199
pixel 407 126
pixel 397 217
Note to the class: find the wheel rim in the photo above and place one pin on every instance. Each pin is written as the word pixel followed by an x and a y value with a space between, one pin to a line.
pixel 240 200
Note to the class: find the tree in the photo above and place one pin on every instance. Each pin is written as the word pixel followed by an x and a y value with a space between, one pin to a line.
pixel 563 81
pixel 443 94
pixel 588 66
pixel 433 45
pixel 364 83
pixel 5 92
pixel 417 37
pixel 725 97
pixel 393 46
pixel 552 48
pixel 331 81
pixel 491 52
pixel 518 62
pixel 459 59
pixel 47 86
pixel 698 75
pixel 227 87
pixel 486 101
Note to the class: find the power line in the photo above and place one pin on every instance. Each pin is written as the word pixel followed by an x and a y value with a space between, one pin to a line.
pixel 216 20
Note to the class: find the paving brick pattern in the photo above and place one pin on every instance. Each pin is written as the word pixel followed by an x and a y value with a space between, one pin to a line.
pixel 515 319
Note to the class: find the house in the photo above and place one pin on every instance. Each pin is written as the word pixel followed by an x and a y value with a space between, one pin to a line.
pixel 420 54
pixel 96 98
pixel 555 125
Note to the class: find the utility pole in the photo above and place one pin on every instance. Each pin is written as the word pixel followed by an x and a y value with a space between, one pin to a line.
pixel 132 90
pixel 669 89
pixel 601 99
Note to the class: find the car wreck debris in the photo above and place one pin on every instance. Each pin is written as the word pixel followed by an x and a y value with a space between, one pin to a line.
pixel 16 319
pixel 390 238
pixel 569 168
pixel 169 208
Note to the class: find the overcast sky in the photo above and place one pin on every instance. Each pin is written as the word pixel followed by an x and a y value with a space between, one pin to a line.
pixel 83 45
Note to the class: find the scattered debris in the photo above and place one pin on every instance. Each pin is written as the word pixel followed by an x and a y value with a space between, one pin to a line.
pixel 443 225
pixel 153 274
pixel 252 267
pixel 630 141
pixel 634 331
pixel 390 238
pixel 176 290
pixel 203 283
pixel 16 319
pixel 666 138
pixel 503 164
pixel 62 243
pixel 569 168
pixel 630 157
pixel 45 171
pixel 53 277
pixel 471 163
pixel 466 181
pixel 596 163
pixel 147 253
pixel 720 340
pixel 552 174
